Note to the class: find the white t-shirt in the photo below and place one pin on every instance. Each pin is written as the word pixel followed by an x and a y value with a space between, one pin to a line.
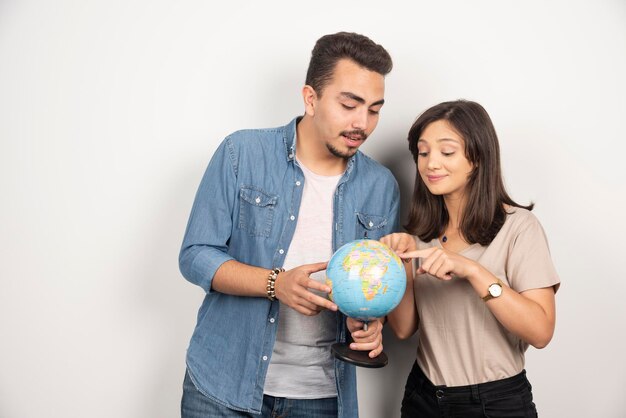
pixel 302 366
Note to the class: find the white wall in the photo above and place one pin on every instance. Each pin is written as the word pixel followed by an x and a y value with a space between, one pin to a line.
pixel 110 111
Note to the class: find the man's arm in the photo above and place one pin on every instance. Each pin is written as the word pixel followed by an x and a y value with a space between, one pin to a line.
pixel 205 244
pixel 292 286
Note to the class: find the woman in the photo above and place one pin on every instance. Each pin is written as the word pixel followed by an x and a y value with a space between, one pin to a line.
pixel 485 283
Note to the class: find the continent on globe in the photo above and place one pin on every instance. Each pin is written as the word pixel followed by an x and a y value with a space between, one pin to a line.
pixel 367 279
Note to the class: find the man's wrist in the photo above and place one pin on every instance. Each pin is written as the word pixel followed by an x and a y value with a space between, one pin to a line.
pixel 270 287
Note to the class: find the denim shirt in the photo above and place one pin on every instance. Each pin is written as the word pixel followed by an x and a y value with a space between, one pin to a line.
pixel 246 209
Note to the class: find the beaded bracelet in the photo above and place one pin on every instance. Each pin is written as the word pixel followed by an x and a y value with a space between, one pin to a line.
pixel 271 283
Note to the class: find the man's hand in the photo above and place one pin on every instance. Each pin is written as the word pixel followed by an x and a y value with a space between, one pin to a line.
pixel 293 288
pixel 370 340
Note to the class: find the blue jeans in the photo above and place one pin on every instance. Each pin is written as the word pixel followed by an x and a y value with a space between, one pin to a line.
pixel 195 405
pixel 506 398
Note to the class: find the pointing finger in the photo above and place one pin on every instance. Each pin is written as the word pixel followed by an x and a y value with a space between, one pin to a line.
pixel 418 253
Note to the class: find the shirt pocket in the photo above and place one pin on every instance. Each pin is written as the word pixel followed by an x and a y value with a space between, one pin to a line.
pixel 370 226
pixel 256 212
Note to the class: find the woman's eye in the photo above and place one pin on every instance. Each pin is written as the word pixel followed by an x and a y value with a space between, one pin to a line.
pixel 447 154
pixel 422 154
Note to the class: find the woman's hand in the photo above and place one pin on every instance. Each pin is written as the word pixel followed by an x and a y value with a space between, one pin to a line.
pixel 400 242
pixel 529 315
pixel 442 263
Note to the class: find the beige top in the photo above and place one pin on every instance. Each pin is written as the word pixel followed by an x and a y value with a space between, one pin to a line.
pixel 460 341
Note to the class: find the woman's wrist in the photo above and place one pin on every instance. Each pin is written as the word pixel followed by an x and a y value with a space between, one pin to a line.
pixel 474 271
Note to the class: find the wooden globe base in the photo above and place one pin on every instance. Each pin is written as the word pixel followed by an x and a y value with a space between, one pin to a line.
pixel 359 358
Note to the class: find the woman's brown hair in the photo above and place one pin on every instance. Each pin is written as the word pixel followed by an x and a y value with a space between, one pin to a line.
pixel 485 212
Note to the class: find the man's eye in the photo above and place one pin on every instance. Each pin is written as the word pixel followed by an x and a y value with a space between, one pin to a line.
pixel 347 107
pixel 422 154
pixel 374 112
pixel 447 154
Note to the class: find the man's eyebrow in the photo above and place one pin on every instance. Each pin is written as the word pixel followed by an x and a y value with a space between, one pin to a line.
pixel 352 96
pixel 359 99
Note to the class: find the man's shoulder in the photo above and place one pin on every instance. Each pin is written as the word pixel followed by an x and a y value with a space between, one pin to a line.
pixel 373 167
pixel 258 136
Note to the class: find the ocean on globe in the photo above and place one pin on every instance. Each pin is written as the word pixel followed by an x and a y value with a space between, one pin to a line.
pixel 367 279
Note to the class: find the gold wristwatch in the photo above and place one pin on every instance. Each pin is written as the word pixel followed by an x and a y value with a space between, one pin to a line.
pixel 494 290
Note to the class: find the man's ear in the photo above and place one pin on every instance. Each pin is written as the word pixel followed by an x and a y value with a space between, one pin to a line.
pixel 310 100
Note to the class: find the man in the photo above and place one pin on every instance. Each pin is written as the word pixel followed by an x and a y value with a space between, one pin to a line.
pixel 272 207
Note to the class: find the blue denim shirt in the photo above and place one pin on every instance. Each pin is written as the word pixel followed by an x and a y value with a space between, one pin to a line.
pixel 246 209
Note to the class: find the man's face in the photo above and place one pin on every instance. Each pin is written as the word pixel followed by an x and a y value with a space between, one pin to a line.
pixel 348 108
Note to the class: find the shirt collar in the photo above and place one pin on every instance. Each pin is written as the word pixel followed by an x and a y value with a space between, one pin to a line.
pixel 290 139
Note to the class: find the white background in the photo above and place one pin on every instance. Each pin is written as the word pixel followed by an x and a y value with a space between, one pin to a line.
pixel 110 111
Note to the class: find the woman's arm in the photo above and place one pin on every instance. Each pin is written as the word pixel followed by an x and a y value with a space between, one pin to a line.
pixel 530 315
pixel 403 319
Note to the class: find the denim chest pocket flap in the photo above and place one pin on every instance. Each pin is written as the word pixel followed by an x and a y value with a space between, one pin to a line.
pixel 257 211
pixel 370 226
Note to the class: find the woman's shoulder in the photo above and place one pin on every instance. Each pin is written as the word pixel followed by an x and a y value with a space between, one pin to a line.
pixel 519 220
pixel 519 215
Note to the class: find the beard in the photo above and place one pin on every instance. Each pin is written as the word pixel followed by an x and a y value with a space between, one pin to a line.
pixel 346 155
pixel 349 153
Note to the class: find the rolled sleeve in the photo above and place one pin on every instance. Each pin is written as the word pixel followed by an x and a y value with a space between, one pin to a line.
pixel 205 245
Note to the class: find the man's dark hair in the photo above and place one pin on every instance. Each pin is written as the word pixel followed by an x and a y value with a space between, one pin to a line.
pixel 329 49
pixel 485 211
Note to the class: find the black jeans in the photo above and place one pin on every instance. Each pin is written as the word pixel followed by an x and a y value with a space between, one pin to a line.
pixel 506 398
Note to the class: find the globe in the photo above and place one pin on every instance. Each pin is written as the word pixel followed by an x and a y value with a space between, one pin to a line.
pixel 367 279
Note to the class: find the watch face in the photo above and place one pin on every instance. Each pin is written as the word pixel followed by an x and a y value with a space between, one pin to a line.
pixel 495 290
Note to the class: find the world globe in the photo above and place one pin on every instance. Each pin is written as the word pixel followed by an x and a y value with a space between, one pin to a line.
pixel 367 279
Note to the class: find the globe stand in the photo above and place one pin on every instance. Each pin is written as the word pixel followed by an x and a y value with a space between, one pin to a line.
pixel 343 352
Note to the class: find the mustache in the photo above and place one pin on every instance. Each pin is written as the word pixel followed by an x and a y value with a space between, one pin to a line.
pixel 358 133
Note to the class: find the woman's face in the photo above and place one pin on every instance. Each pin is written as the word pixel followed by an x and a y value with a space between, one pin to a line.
pixel 441 160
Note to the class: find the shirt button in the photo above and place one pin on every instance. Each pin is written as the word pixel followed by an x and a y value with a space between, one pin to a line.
pixel 371 224
pixel 258 200
pixel 292 217
pixel 290 156
pixel 298 183
pixel 264 358
pixel 281 251
pixel 272 320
